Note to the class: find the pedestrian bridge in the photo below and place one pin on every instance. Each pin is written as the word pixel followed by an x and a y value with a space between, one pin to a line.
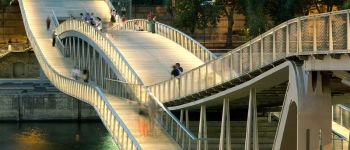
pixel 295 69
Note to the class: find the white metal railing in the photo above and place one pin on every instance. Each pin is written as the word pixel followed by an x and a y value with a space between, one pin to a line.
pixel 54 18
pixel 172 125
pixel 341 115
pixel 339 142
pixel 107 46
pixel 319 34
pixel 110 5
pixel 175 35
pixel 133 91
pixel 90 94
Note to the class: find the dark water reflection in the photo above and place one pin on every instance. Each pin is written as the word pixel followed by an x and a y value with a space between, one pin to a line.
pixel 55 136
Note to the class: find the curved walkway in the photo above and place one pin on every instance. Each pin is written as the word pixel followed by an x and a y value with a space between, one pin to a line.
pixel 152 55
pixel 37 11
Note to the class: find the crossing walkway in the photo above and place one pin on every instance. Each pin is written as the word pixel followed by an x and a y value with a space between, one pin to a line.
pixel 35 13
pixel 152 55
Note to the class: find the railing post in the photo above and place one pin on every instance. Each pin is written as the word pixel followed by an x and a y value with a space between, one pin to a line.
pixel 299 43
pixel 287 39
pixel 225 126
pixel 330 33
pixel 261 50
pixel 347 30
pixel 252 122
pixel 314 34
pixel 250 57
pixel 202 131
pixel 273 46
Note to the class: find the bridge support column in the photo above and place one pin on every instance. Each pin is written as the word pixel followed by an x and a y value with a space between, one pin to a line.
pixel 187 126
pixel 307 112
pixel 225 126
pixel 202 131
pixel 252 121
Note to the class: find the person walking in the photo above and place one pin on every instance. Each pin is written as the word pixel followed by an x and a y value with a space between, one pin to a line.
pixel 179 67
pixel 82 16
pixel 86 75
pixel 175 72
pixel 99 24
pixel 87 17
pixel 113 15
pixel 48 23
pixel 54 35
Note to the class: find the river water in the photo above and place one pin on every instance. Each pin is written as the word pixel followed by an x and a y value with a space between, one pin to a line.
pixel 55 136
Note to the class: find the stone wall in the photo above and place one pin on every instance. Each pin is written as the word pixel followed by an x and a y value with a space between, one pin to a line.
pixel 34 106
pixel 19 65
pixel 11 24
pixel 35 99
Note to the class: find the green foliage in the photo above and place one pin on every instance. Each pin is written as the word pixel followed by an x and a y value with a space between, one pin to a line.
pixel 5 3
pixel 194 14
pixel 256 19
pixel 346 5
pixel 282 10
pixel 148 2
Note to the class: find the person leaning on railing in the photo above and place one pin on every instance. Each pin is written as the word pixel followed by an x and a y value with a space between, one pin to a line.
pixel 86 75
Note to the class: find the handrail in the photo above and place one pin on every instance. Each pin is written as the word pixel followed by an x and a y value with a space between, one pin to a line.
pixel 341 137
pixel 115 87
pixel 338 115
pixel 85 92
pixel 54 18
pixel 300 36
pixel 110 5
pixel 107 46
pixel 172 125
pixel 175 35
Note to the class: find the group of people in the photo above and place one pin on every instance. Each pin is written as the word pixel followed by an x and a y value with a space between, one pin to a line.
pixel 177 70
pixel 138 27
pixel 77 74
pixel 94 21
pixel 116 18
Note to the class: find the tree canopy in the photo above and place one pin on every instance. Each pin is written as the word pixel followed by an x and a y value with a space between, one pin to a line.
pixel 195 14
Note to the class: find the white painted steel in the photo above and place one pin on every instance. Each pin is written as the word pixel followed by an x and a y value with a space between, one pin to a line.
pixel 175 35
pixel 304 36
pixel 133 82
pixel 85 92
pixel 106 45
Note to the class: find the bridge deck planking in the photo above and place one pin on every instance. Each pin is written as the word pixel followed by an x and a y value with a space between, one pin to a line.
pixel 152 55
pixel 37 12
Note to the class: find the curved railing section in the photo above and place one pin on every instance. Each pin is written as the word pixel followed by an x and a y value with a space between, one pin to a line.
pixel 124 89
pixel 318 34
pixel 175 35
pixel 90 94
pixel 171 124
pixel 107 47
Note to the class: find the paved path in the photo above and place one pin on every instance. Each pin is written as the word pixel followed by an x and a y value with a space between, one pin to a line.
pixel 152 55
pixel 145 130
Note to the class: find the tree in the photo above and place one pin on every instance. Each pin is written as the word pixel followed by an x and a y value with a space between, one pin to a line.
pixel 195 14
pixel 229 7
pixel 3 5
pixel 256 16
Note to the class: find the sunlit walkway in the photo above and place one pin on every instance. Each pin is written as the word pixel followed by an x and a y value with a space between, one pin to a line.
pixel 152 55
pixel 37 11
